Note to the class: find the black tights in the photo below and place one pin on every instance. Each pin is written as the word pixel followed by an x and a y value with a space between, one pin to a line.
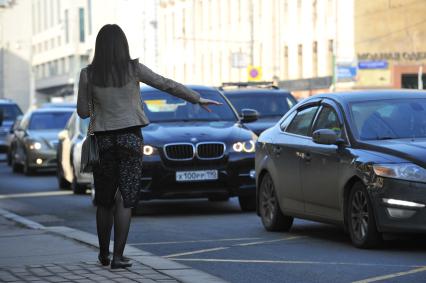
pixel 105 217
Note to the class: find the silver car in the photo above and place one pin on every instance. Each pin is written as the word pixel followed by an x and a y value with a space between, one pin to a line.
pixel 69 156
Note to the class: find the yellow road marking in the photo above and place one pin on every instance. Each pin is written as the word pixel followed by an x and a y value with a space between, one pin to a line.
pixel 195 241
pixel 38 194
pixel 389 276
pixel 197 252
pixel 269 241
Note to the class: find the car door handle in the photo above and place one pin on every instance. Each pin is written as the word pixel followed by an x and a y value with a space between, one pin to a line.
pixel 276 150
pixel 307 157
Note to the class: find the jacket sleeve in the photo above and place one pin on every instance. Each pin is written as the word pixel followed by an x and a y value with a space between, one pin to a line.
pixel 82 98
pixel 148 77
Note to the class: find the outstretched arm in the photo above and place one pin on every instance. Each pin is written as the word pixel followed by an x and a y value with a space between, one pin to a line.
pixel 82 99
pixel 157 81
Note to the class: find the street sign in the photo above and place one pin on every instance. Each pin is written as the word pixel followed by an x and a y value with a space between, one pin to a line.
pixel 346 73
pixel 373 64
pixel 254 73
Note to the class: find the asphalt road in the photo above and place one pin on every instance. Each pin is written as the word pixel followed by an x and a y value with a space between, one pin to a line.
pixel 219 239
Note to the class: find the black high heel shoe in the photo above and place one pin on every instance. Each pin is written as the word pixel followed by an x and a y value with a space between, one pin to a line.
pixel 123 262
pixel 104 259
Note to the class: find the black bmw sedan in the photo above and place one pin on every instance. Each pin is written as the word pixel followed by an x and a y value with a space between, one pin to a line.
pixel 356 159
pixel 192 153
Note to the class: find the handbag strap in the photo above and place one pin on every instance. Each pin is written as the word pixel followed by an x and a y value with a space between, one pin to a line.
pixel 91 108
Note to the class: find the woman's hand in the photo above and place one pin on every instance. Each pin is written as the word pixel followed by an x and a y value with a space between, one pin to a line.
pixel 205 102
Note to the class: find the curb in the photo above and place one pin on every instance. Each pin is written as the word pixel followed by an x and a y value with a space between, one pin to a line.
pixel 173 269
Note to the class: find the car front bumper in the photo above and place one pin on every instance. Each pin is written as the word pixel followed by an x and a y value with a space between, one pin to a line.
pixel 400 206
pixel 235 178
pixel 42 159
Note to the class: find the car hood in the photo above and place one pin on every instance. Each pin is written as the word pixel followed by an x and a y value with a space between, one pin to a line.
pixel 262 124
pixel 411 150
pixel 159 134
pixel 47 136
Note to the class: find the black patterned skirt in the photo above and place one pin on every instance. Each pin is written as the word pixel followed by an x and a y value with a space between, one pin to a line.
pixel 120 167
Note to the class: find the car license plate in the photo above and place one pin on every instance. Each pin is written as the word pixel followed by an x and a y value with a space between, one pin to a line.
pixel 188 176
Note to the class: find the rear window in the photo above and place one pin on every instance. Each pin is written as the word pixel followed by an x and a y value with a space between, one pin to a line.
pixel 49 120
pixel 266 104
pixel 10 111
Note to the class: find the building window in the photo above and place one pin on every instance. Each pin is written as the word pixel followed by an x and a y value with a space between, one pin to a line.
pixel 285 75
pixel 330 57
pixel 58 7
pixel 315 59
pixel 45 13
pixel 299 15
pixel 67 32
pixel 89 16
pixel 52 13
pixel 81 21
pixel 300 60
pixel 59 40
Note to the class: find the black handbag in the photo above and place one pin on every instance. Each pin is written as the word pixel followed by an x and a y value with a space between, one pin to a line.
pixel 89 149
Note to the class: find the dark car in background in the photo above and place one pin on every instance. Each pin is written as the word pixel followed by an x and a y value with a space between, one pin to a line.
pixel 355 159
pixel 269 101
pixel 36 139
pixel 191 153
pixel 9 111
pixel 10 137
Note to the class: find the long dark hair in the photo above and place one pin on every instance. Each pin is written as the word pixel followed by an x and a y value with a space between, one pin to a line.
pixel 110 65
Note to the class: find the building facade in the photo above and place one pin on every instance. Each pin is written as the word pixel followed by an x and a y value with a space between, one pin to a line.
pixel 210 42
pixel 55 39
pixel 390 43
pixel 15 51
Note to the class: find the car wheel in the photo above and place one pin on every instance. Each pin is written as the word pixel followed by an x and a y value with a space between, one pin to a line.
pixel 247 203
pixel 9 157
pixel 269 208
pixel 62 182
pixel 361 222
pixel 77 188
pixel 218 198
pixel 28 171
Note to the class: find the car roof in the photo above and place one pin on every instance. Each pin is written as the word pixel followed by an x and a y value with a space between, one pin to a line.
pixel 370 95
pixel 7 101
pixel 59 105
pixel 256 91
pixel 193 87
pixel 53 109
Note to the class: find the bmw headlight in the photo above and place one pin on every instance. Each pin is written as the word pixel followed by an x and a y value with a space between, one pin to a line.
pixel 403 171
pixel 149 150
pixel 246 146
pixel 35 145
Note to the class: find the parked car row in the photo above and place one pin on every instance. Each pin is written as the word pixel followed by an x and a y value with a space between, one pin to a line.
pixel 355 159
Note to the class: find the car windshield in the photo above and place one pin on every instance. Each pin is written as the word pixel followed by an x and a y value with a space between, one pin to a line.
pixel 84 125
pixel 162 107
pixel 10 111
pixel 49 120
pixel 389 119
pixel 266 105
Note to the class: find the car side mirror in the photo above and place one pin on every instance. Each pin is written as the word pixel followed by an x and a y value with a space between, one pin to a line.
pixel 63 135
pixel 249 115
pixel 327 136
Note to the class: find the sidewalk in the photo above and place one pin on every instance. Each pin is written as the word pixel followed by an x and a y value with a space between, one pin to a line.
pixel 30 252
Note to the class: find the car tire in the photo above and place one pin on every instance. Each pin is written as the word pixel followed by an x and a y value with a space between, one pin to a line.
pixel 62 182
pixel 26 169
pixel 9 157
pixel 269 208
pixel 360 218
pixel 77 188
pixel 218 198
pixel 247 203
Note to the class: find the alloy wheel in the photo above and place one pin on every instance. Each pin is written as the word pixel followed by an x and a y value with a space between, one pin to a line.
pixel 359 215
pixel 268 201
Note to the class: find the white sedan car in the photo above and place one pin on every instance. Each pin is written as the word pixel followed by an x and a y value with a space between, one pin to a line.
pixel 69 156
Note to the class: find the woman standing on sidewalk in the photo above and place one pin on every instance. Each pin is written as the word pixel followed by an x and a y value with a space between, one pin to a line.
pixel 113 82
